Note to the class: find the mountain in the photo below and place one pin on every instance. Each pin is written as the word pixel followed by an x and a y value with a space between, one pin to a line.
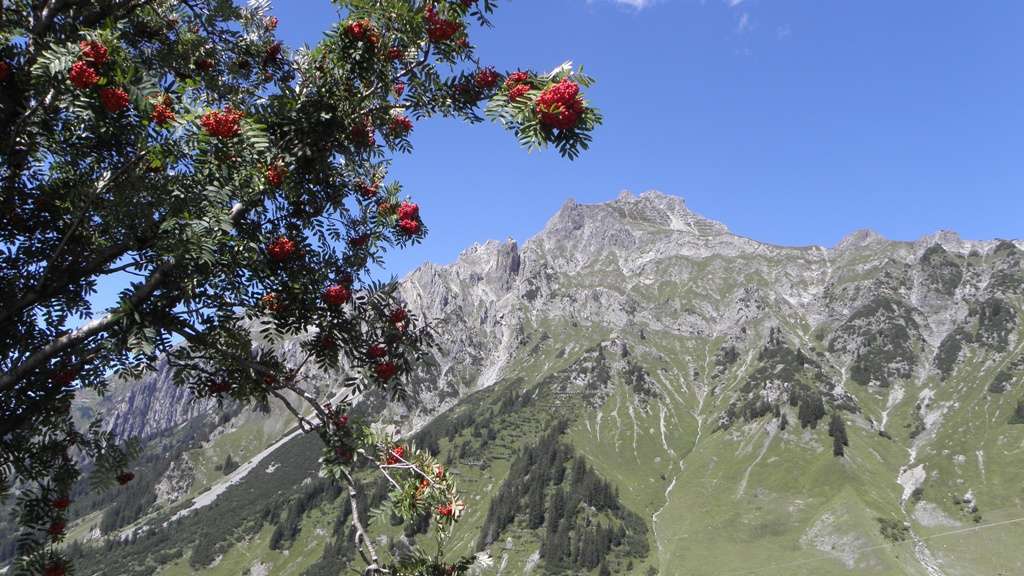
pixel 637 390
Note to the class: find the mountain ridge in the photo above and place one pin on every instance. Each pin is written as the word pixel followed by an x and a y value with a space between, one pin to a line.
pixel 705 376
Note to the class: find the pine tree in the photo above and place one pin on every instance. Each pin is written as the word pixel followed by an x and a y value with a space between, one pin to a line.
pixel 837 430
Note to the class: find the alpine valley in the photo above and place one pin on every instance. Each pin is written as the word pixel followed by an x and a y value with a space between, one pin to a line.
pixel 635 390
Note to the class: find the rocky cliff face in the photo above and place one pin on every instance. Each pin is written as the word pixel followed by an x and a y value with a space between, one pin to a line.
pixel 699 366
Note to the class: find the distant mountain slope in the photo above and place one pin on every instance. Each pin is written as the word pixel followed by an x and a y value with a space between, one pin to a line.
pixel 709 380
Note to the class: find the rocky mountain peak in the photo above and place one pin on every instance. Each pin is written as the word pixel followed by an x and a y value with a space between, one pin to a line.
pixel 859 238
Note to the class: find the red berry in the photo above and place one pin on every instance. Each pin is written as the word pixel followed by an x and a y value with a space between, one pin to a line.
pixel 114 99
pixel 408 211
pixel 359 241
pixel 55 569
pixel 368 190
pixel 222 123
pixel 359 29
pixel 94 51
pixel 385 371
pixel 401 125
pixel 445 510
pixel 272 53
pixel 362 135
pixel 61 503
pixel 219 387
pixel 377 351
pixel 395 53
pixel 82 76
pixel 125 477
pixel 272 23
pixel 344 454
pixel 162 114
pixel 517 77
pixel 275 175
pixel 439 29
pixel 409 227
pixel 5 70
pixel 486 78
pixel 560 106
pixel 399 315
pixel 336 295
pixel 204 64
pixel 395 455
pixel 272 302
pixel 281 249
pixel 56 529
pixel 518 91
pixel 398 89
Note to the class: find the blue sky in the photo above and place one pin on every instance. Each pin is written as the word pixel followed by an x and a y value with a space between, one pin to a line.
pixel 791 122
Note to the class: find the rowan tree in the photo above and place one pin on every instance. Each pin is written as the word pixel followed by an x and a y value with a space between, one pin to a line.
pixel 239 188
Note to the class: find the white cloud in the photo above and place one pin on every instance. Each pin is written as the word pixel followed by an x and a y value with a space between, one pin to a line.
pixel 638 4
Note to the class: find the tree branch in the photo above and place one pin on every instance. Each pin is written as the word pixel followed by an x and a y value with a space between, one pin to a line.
pixel 10 378
pixel 362 540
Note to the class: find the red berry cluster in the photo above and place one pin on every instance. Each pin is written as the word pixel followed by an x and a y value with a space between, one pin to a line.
pixel 281 249
pixel 359 241
pixel 395 455
pixel 486 78
pixel 362 134
pixel 385 371
pixel 445 510
pixel 114 99
pixel 125 477
pixel 272 23
pixel 94 52
pixel 368 190
pixel 204 64
pixel 336 295
pixel 398 89
pixel 517 85
pixel 395 53
pixel 222 123
pixel 272 53
pixel 363 31
pixel 56 529
pixel 409 218
pixel 5 70
pixel 439 29
pixel 398 317
pixel 560 106
pixel 61 503
pixel 272 302
pixel 162 114
pixel 401 125
pixel 275 175
pixel 82 75
pixel 377 351
pixel 55 569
